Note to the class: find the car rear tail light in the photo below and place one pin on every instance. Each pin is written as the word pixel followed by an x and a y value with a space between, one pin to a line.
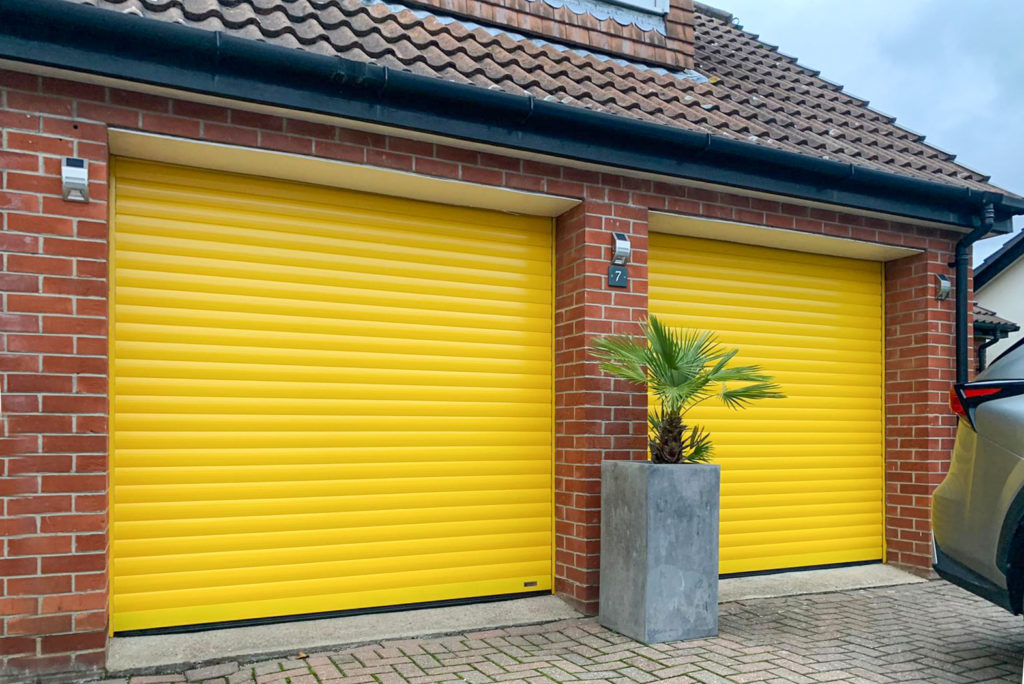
pixel 956 404
pixel 965 398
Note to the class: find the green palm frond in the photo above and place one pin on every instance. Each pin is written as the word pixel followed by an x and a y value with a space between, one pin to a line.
pixel 699 445
pixel 741 397
pixel 675 361
pixel 720 363
pixel 682 368
pixel 739 374
pixel 663 345
pixel 654 419
pixel 621 356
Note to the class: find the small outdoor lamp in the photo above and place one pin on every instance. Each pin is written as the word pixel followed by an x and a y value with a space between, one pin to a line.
pixel 618 276
pixel 74 179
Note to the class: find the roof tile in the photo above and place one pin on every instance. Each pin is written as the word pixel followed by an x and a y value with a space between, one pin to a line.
pixel 990 319
pixel 755 92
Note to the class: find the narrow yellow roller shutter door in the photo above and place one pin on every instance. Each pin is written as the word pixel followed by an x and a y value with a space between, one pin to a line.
pixel 802 478
pixel 323 400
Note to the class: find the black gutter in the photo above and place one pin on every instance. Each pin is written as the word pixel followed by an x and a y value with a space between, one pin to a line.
pixel 983 347
pixel 962 265
pixel 994 328
pixel 992 332
pixel 70 36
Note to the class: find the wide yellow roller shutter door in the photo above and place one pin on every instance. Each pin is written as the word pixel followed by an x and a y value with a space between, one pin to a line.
pixel 323 400
pixel 802 478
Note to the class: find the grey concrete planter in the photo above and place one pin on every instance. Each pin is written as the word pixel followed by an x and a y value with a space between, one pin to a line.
pixel 659 550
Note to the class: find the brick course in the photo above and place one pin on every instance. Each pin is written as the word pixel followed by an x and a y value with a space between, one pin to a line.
pixel 920 429
pixel 53 341
pixel 596 417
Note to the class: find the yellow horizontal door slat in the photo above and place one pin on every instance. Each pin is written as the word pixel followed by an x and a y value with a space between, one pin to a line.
pixel 802 478
pixel 323 400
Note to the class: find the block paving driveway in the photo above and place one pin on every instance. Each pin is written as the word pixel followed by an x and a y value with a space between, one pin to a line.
pixel 931 632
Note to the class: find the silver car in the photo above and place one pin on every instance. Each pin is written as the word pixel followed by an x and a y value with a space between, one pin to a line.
pixel 978 510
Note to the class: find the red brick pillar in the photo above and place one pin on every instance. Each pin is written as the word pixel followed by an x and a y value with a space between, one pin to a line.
pixel 596 417
pixel 53 355
pixel 920 429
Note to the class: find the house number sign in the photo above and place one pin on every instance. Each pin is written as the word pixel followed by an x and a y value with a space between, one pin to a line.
pixel 618 276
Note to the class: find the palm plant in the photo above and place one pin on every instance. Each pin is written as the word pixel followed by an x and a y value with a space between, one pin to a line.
pixel 682 368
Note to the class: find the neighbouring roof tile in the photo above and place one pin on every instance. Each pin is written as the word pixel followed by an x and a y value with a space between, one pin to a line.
pixel 744 88
pixel 987 318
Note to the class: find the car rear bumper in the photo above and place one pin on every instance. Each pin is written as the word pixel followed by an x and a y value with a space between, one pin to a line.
pixel 964 577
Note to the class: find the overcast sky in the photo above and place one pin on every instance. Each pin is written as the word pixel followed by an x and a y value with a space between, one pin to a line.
pixel 952 70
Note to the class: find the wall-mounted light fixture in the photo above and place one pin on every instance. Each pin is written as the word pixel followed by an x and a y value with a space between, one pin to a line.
pixel 618 276
pixel 622 249
pixel 942 287
pixel 74 179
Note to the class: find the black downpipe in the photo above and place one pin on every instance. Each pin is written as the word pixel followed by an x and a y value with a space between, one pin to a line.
pixel 983 348
pixel 963 255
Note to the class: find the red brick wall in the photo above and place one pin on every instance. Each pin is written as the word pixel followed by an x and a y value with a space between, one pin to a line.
pixel 53 350
pixel 919 369
pixel 596 417
pixel 53 342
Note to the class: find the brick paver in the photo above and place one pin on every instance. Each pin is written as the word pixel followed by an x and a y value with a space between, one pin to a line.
pixel 932 633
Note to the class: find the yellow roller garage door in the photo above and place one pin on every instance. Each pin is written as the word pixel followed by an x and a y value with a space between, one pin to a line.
pixel 802 478
pixel 323 400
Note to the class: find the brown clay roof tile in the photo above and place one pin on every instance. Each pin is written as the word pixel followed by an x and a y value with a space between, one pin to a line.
pixel 755 92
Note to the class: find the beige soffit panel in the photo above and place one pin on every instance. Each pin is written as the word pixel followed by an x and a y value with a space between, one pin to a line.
pixel 779 238
pixel 317 171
